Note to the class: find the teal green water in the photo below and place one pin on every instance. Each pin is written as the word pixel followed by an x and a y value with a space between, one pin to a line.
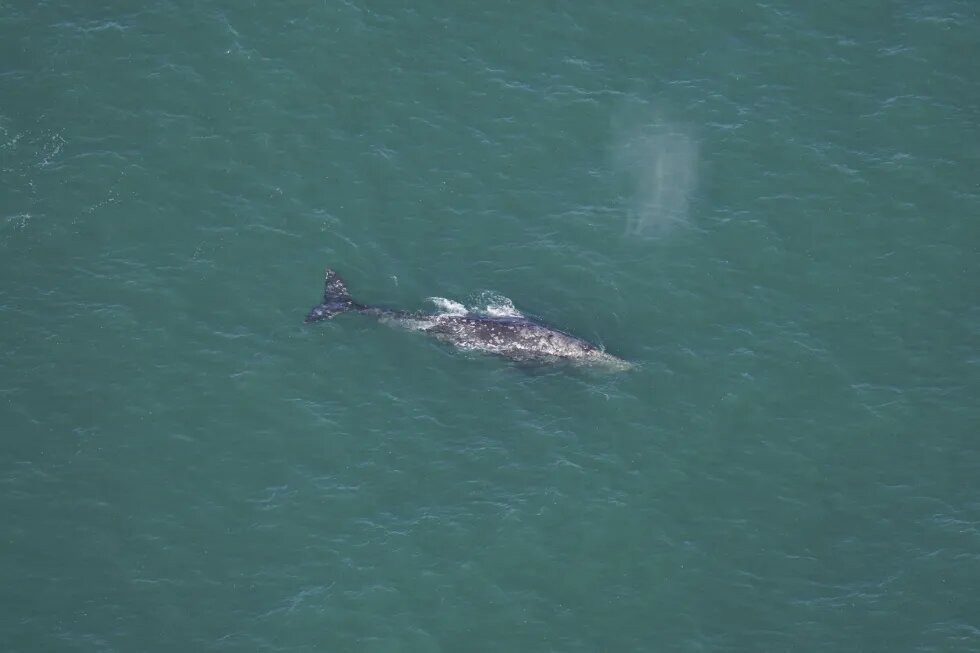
pixel 773 210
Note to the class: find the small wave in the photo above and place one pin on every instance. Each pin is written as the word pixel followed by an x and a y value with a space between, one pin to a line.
pixel 496 305
pixel 487 303
pixel 448 306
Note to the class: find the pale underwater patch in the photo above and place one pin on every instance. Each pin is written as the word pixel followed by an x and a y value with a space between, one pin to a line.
pixel 660 160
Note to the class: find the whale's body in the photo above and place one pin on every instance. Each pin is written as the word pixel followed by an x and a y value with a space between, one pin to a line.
pixel 514 336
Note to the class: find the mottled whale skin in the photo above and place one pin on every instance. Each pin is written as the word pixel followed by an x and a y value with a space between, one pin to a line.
pixel 513 336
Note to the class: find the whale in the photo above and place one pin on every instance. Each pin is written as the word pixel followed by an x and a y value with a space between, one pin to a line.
pixel 512 336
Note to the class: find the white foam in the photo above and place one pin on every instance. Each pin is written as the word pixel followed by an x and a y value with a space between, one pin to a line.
pixel 448 306
pixel 490 304
pixel 502 310
pixel 495 305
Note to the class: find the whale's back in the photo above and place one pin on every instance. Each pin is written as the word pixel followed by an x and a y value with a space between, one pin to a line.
pixel 517 338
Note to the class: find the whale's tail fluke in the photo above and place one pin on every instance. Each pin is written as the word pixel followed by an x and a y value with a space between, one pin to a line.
pixel 336 299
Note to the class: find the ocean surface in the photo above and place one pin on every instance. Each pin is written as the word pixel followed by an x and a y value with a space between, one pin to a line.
pixel 771 209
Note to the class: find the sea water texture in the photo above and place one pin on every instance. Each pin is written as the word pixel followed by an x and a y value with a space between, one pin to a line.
pixel 770 208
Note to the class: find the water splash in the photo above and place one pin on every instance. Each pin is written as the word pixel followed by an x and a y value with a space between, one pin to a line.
pixel 496 305
pixel 448 306
pixel 487 303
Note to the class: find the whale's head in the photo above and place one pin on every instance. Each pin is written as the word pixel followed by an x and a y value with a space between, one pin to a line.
pixel 599 358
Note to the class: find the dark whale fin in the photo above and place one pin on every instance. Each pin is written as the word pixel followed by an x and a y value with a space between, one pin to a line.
pixel 336 299
pixel 334 289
